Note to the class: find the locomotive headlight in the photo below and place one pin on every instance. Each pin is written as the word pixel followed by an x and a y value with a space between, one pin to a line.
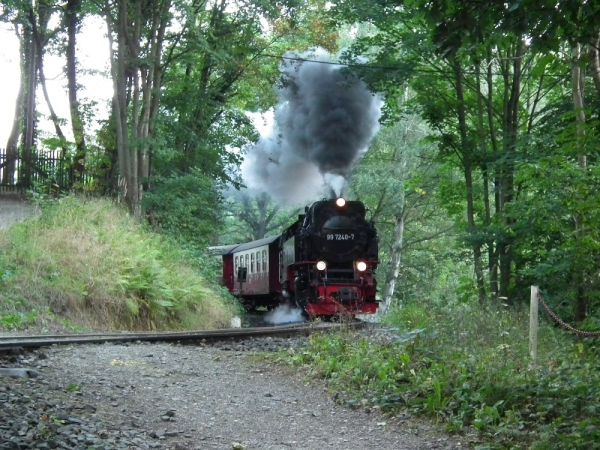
pixel 361 266
pixel 321 265
pixel 340 202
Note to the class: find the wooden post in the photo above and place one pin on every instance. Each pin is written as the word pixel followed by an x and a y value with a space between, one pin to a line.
pixel 533 323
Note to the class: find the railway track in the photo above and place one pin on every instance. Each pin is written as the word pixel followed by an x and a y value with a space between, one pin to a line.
pixel 10 342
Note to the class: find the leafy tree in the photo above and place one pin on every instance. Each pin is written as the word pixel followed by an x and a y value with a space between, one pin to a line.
pixel 223 63
pixel 251 216
pixel 27 20
pixel 566 28
pixel 484 83
pixel 186 207
pixel 398 180
pixel 31 22
pixel 136 31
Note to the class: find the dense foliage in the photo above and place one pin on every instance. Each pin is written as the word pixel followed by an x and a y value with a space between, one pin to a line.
pixel 509 92
pixel 185 208
pixel 488 149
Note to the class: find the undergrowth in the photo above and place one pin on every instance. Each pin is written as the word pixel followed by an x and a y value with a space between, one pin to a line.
pixel 470 369
pixel 85 263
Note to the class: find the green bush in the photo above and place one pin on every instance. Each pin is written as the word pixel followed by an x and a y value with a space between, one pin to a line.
pixel 186 207
pixel 18 320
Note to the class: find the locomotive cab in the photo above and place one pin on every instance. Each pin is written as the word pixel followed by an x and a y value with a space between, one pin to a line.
pixel 334 258
pixel 341 234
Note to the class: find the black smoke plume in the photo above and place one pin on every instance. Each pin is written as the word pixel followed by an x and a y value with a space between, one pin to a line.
pixel 324 123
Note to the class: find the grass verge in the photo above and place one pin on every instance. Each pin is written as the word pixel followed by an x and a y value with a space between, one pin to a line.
pixel 470 370
pixel 86 264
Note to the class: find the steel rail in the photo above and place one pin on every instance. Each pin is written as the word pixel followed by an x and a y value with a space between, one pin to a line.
pixel 8 342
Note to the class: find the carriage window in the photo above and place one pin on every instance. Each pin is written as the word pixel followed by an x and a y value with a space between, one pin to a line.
pixel 237 263
pixel 251 262
pixel 246 264
pixel 257 261
pixel 264 260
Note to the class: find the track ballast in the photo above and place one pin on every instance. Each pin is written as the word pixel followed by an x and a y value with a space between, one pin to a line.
pixel 38 341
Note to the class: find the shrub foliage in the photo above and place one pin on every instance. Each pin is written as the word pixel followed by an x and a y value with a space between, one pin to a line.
pixel 470 369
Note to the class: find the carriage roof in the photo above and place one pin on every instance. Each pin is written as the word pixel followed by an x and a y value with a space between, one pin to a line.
pixel 234 248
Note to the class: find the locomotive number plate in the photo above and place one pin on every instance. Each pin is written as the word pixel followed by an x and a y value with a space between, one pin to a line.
pixel 340 237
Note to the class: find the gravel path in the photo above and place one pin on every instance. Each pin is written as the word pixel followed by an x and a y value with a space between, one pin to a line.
pixel 14 209
pixel 144 396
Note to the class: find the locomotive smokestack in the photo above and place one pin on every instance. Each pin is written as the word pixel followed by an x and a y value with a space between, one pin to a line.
pixel 323 125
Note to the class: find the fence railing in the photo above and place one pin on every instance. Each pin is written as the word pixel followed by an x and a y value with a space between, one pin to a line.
pixel 535 300
pixel 48 167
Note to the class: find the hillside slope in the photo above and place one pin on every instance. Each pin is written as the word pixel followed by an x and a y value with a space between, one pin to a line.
pixel 86 264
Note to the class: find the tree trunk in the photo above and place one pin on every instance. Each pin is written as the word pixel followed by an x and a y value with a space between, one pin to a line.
pixel 150 85
pixel 476 246
pixel 136 70
pixel 577 78
pixel 594 54
pixel 466 152
pixel 395 263
pixel 29 58
pixel 35 39
pixel 493 247
pixel 512 93
pixel 12 144
pixel 117 62
pixel 483 150
pixel 72 20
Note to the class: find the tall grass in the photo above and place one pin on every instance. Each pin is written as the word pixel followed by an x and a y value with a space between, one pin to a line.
pixel 87 261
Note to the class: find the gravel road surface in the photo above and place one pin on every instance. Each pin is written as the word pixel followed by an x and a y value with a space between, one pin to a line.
pixel 14 209
pixel 164 396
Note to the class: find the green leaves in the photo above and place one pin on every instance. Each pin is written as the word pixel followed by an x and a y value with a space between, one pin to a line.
pixel 187 207
pixel 18 320
pixel 487 416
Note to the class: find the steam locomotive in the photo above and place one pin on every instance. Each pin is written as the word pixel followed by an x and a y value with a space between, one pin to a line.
pixel 324 263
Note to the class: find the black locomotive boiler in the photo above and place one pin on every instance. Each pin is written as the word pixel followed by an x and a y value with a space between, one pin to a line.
pixel 324 262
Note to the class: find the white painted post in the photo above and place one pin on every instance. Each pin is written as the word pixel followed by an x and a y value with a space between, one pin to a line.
pixel 533 323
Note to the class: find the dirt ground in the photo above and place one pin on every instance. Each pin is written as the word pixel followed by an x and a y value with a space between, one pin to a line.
pixel 15 208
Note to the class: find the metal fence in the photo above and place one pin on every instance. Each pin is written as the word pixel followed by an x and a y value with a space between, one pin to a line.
pixel 48 167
